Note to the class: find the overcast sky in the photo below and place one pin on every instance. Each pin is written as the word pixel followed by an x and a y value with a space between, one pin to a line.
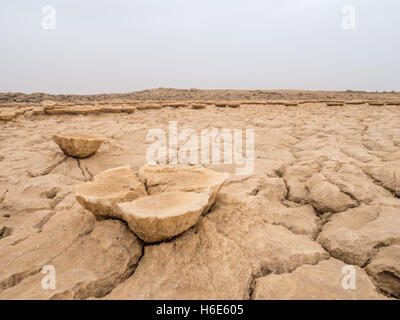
pixel 105 46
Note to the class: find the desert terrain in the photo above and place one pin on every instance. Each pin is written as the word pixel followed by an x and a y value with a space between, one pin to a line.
pixel 323 196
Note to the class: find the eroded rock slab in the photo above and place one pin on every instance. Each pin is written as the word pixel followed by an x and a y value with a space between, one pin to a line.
pixel 199 264
pixel 218 257
pixel 26 256
pixel 91 267
pixel 322 281
pixel 355 236
pixel 327 197
pixel 388 176
pixel 267 247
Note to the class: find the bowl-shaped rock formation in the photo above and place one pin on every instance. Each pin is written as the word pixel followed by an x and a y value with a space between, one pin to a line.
pixel 167 178
pixel 108 189
pixel 163 216
pixel 78 145
pixel 174 200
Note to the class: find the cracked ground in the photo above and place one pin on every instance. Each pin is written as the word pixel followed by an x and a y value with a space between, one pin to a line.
pixel 324 194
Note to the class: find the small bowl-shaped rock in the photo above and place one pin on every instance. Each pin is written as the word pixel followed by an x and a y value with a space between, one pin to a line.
pixel 163 216
pixel 78 145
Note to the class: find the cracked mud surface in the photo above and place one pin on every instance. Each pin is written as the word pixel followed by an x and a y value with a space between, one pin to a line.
pixel 324 194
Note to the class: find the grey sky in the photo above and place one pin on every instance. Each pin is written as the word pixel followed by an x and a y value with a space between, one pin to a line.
pixel 104 46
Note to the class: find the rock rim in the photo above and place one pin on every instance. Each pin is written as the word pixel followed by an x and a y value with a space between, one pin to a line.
pixel 163 216
pixel 78 145
pixel 108 188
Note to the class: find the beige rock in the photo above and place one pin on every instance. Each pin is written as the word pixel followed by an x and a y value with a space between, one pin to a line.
pixel 298 219
pixel 259 226
pixel 168 178
pixel 175 104
pixel 388 176
pixel 7 116
pixel 73 110
pixel 268 248
pixel 218 257
pixel 198 105
pixel 151 106
pixel 26 256
pixel 334 104
pixel 163 216
pixel 296 177
pixel 353 181
pixel 385 269
pixel 107 189
pixel 200 264
pixel 270 204
pixel 78 145
pixel 128 109
pixel 322 281
pixel 48 103
pixel 91 267
pixel 325 196
pixel 38 193
pixel 231 104
pixel 355 236
pixel 393 103
pixel 352 102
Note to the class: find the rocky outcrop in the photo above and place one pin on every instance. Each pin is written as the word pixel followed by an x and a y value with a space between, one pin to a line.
pixel 25 252
pixel 181 195
pixel 78 145
pixel 219 257
pixel 109 188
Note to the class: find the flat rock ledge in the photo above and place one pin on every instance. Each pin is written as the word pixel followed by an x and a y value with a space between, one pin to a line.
pixel 324 281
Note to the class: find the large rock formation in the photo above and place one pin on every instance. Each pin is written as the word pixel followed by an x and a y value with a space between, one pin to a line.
pixel 181 195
